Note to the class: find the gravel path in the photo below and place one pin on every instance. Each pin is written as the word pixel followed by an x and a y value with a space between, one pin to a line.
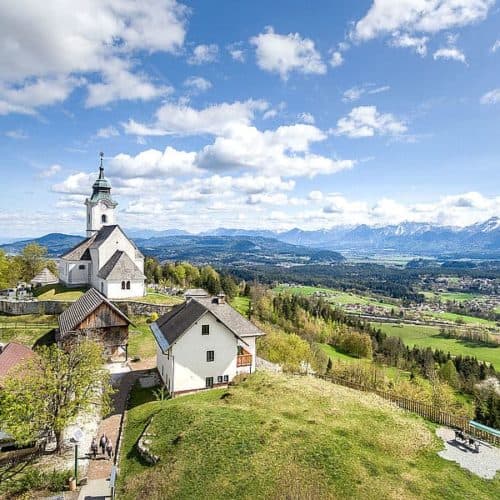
pixel 485 463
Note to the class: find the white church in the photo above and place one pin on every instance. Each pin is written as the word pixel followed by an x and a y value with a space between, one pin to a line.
pixel 106 260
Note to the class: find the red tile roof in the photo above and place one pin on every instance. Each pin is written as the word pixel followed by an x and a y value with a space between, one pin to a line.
pixel 12 355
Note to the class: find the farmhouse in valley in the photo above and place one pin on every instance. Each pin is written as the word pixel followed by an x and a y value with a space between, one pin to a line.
pixel 94 317
pixel 203 343
pixel 106 259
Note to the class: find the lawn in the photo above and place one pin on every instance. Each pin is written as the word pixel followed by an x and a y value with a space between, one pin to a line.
pixel 460 318
pixel 453 296
pixel 141 342
pixel 428 336
pixel 159 298
pixel 59 292
pixel 242 305
pixel 277 436
pixel 26 329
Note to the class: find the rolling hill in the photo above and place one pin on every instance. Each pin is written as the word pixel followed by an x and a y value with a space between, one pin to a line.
pixel 278 436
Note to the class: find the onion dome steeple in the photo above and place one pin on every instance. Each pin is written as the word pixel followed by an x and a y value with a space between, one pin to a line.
pixel 101 189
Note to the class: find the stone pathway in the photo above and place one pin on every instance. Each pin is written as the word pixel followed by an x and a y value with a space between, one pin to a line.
pixel 99 470
pixel 485 463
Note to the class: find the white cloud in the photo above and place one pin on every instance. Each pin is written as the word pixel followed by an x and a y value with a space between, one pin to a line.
pixel 495 46
pixel 107 132
pixel 146 207
pixel 26 98
pixel 54 44
pixel 413 16
pixel 306 118
pixel 315 195
pixel 51 171
pixel 406 41
pixel 270 113
pixel 16 134
pixel 366 121
pixel 176 118
pixel 336 59
pixel 491 97
pixel 153 164
pixel 355 93
pixel 284 54
pixel 203 54
pixel 236 51
pixel 78 183
pixel 197 83
pixel 284 151
pixel 450 53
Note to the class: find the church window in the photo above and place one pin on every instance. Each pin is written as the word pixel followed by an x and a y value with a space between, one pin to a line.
pixel 128 285
pixel 81 266
pixel 123 285
pixel 104 218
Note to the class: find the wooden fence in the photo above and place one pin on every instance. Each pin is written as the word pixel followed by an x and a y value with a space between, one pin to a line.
pixel 424 410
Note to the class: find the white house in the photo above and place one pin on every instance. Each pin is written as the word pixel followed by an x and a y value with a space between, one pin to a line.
pixel 203 343
pixel 106 260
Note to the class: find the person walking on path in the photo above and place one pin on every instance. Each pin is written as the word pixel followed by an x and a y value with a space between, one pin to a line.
pixel 109 449
pixel 102 443
pixel 93 448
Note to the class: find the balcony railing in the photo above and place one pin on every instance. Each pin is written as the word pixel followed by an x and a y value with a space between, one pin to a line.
pixel 244 360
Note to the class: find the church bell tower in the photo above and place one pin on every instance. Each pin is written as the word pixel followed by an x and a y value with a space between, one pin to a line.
pixel 100 206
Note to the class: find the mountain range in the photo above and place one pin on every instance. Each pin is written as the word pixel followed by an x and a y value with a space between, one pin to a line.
pixel 481 240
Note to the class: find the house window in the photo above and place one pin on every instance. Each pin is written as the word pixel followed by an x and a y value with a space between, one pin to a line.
pixel 210 355
pixel 226 378
pixel 104 219
pixel 123 285
pixel 209 382
pixel 219 379
pixel 81 266
pixel 205 329
pixel 128 285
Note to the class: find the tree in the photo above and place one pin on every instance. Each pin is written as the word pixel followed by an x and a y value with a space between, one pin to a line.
pixel 34 259
pixel 449 374
pixel 55 386
pixel 229 286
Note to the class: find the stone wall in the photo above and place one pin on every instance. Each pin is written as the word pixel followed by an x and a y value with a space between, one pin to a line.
pixel 128 307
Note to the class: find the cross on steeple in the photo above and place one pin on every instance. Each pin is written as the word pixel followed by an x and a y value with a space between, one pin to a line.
pixel 101 167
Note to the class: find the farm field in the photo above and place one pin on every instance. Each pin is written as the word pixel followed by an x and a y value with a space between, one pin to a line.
pixel 453 296
pixel 280 441
pixel 336 296
pixel 428 336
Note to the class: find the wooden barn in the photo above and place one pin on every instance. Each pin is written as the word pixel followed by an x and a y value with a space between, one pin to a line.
pixel 94 317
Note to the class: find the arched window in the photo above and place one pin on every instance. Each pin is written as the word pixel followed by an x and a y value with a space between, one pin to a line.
pixel 128 285
pixel 123 285
pixel 104 218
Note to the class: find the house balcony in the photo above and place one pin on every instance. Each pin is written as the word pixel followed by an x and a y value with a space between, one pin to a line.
pixel 244 359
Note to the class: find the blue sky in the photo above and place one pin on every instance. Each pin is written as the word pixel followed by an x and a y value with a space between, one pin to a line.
pixel 250 114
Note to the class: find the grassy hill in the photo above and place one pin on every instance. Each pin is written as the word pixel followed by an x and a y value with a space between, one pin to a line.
pixel 277 436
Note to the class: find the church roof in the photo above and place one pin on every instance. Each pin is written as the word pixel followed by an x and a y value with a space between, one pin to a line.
pixel 120 267
pixel 101 189
pixel 84 306
pixel 82 250
pixel 45 276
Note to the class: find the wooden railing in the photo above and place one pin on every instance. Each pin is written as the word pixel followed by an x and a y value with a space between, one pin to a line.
pixel 424 410
pixel 244 360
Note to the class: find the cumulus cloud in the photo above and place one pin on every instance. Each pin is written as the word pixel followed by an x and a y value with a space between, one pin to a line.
pixel 406 41
pixel 306 118
pixel 284 54
pixel 78 183
pixel 414 16
pixel 178 118
pixel 495 46
pixel 203 54
pixel 236 51
pixel 153 163
pixel 450 52
pixel 285 150
pixel 491 97
pixel 197 83
pixel 53 45
pixel 366 121
pixel 336 59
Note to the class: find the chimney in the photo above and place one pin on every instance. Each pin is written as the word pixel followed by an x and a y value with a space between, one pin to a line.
pixel 221 298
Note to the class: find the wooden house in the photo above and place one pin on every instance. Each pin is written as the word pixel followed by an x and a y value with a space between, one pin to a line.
pixel 94 317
